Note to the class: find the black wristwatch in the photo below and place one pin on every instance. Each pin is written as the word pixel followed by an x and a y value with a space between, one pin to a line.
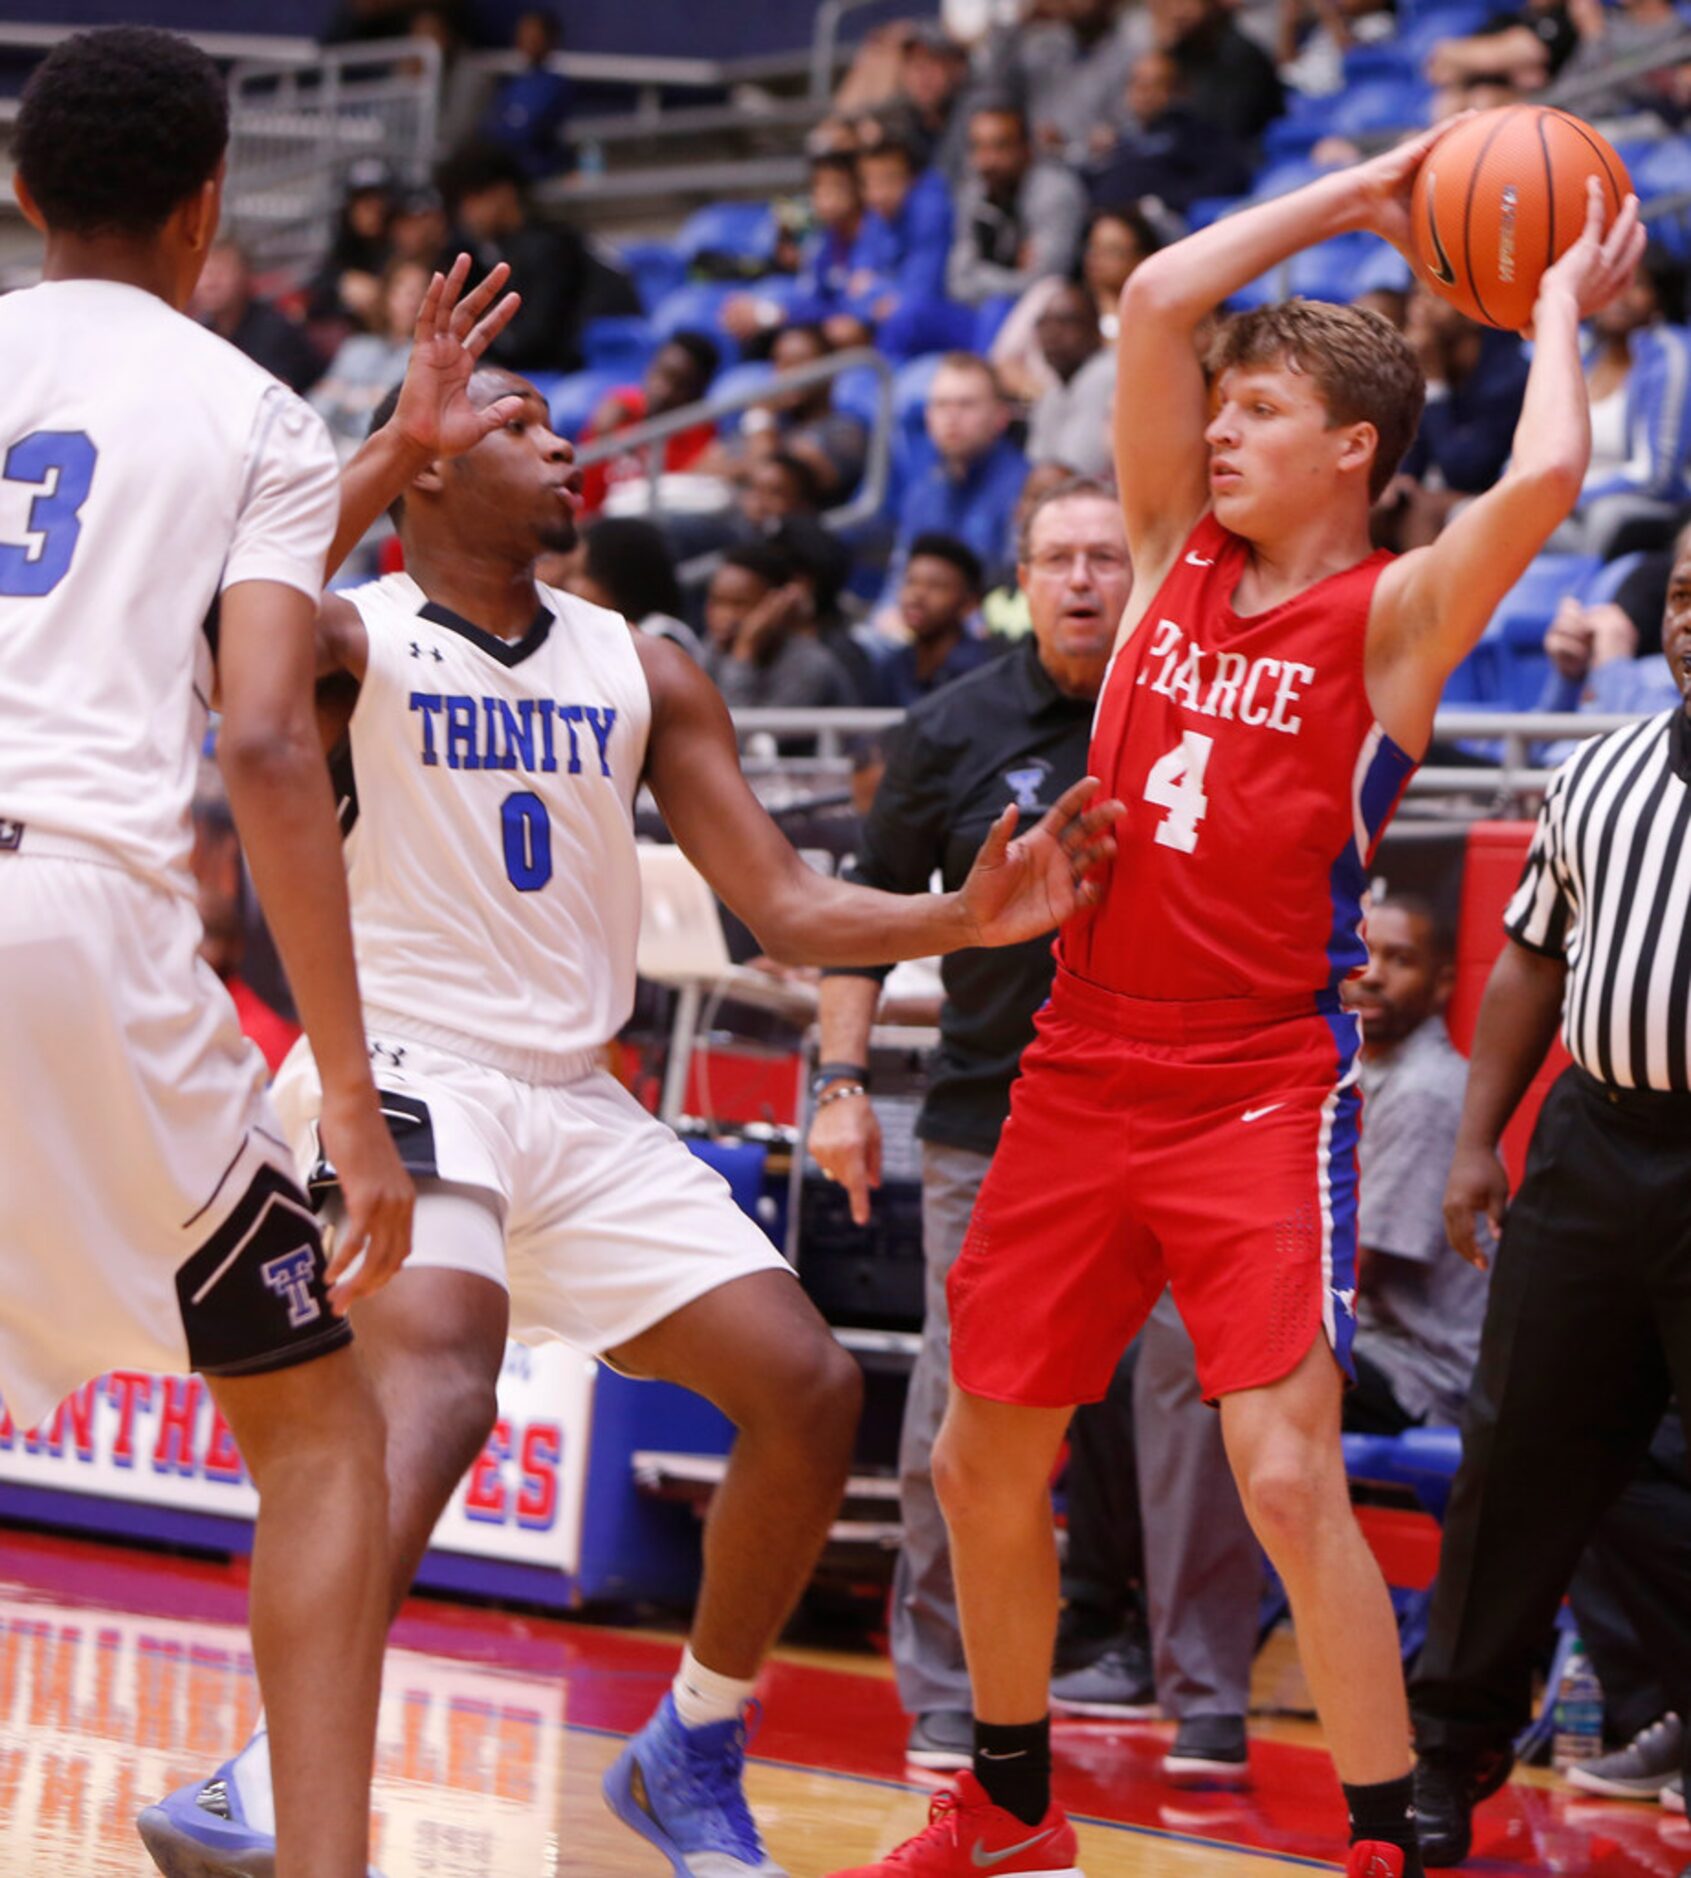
pixel 827 1073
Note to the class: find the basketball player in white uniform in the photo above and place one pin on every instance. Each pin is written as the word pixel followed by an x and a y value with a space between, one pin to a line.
pixel 497 733
pixel 152 482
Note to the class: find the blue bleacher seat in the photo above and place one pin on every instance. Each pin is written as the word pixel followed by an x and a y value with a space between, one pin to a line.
pixel 694 307
pixel 1665 170
pixel 1417 37
pixel 1383 59
pixel 858 393
pixel 623 343
pixel 656 269
pixel 1524 613
pixel 1381 104
pixel 575 397
pixel 1427 1460
pixel 745 230
pixel 753 374
pixel 1612 576
pixel 910 400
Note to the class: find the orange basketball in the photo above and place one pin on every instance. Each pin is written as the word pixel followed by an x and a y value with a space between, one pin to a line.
pixel 1499 199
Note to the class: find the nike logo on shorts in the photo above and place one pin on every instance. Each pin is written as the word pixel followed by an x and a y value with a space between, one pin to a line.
pixel 1199 560
pixel 1256 1115
pixel 983 1860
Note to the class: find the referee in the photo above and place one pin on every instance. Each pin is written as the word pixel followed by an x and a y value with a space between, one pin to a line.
pixel 1588 1327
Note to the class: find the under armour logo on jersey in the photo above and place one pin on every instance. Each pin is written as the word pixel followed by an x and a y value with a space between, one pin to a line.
pixel 11 836
pixel 427 652
pixel 392 1054
pixel 290 1277
pixel 1025 783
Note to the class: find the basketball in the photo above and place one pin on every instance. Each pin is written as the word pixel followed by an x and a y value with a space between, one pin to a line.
pixel 1500 199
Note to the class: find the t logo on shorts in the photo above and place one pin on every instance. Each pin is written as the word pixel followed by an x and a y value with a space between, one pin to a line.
pixel 290 1277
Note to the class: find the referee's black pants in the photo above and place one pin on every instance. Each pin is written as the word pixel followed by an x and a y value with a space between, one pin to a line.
pixel 1587 1335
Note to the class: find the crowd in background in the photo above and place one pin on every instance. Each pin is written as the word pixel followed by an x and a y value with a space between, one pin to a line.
pixel 973 212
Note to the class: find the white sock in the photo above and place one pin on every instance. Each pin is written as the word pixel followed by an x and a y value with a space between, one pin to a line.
pixel 252 1781
pixel 703 1697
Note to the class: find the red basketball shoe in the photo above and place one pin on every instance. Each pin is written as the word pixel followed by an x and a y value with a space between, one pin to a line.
pixel 1369 1858
pixel 967 1835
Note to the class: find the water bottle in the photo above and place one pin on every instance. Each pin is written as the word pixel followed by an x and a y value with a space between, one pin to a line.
pixel 1579 1711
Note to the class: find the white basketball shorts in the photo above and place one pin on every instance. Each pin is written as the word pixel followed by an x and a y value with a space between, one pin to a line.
pixel 610 1225
pixel 149 1217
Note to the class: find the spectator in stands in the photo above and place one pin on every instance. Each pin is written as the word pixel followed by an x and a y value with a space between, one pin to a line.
pixel 368 364
pixel 1017 733
pixel 1609 34
pixel 1005 610
pixel 1116 241
pixel 1168 150
pixel 1315 35
pixel 216 862
pixel 937 600
pixel 225 301
pixel 1476 378
pixel 910 220
pixel 417 229
pixel 1419 1304
pixel 563 286
pixel 804 423
pixel 1596 663
pixel 822 565
pixel 679 374
pixel 1018 216
pixel 775 486
pixel 1638 373
pixel 1070 422
pixel 1586 1334
pixel 347 287
pixel 1066 66
pixel 1228 78
pixel 530 111
pixel 933 78
pixel 759 648
pixel 839 262
pixel 968 474
pixel 1523 47
pixel 623 563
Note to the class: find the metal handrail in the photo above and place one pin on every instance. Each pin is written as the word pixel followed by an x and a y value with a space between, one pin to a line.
pixel 871 491
pixel 1569 91
pixel 1515 775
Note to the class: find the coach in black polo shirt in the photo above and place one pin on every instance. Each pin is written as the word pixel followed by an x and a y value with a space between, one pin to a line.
pixel 1588 1327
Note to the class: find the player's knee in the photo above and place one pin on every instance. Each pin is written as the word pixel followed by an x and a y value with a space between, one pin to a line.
pixel 970 1486
pixel 829 1400
pixel 1284 1496
pixel 468 1408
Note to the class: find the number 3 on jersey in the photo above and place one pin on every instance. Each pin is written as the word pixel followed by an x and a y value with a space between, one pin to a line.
pixel 68 458
pixel 1176 783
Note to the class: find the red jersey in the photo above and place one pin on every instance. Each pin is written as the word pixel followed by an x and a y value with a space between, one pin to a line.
pixel 1257 786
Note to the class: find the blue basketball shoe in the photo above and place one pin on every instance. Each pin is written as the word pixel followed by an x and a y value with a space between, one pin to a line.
pixel 200 1831
pixel 680 1789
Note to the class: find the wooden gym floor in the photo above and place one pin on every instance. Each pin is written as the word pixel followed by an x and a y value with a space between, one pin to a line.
pixel 123 1674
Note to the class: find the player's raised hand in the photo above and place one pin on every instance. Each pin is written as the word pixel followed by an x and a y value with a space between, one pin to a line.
pixel 1478 1188
pixel 453 330
pixel 1599 265
pixel 1021 886
pixel 375 1235
pixel 1388 180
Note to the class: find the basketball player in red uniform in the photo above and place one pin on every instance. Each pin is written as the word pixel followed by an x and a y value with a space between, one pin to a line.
pixel 1188 1113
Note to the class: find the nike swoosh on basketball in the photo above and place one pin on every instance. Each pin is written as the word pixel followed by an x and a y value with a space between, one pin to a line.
pixel 1199 560
pixel 1441 270
pixel 983 1860
pixel 1255 1115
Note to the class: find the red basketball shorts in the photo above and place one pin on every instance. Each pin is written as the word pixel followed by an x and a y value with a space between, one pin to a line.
pixel 1211 1148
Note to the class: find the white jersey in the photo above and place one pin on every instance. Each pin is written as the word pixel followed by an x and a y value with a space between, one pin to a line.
pixel 490 826
pixel 145 466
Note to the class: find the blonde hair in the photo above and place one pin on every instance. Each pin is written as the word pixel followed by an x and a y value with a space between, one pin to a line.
pixel 1361 365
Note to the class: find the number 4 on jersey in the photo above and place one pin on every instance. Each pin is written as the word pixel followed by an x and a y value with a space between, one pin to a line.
pixel 1176 783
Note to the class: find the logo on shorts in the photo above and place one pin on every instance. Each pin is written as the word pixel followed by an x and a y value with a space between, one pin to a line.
pixel 11 836
pixel 290 1277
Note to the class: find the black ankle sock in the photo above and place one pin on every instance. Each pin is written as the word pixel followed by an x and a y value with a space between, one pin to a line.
pixel 1386 1812
pixel 1014 1766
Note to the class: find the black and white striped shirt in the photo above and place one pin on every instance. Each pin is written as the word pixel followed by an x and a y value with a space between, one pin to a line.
pixel 1607 886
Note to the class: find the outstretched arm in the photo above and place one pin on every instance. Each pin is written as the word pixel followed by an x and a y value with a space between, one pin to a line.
pixel 1161 409
pixel 1017 889
pixel 434 417
pixel 1431 606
